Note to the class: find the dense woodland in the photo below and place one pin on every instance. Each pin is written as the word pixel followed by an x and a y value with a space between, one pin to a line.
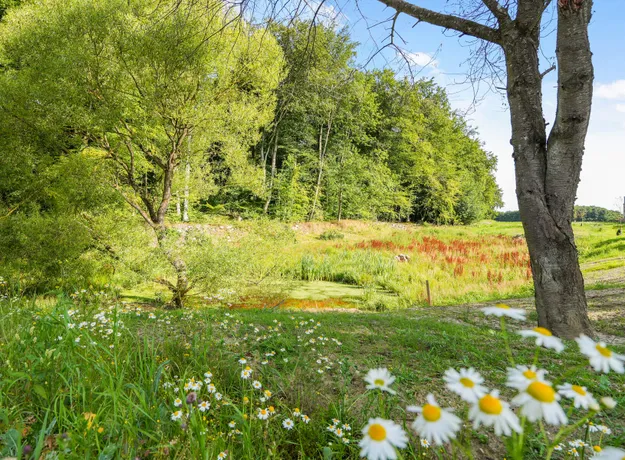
pixel 580 214
pixel 111 110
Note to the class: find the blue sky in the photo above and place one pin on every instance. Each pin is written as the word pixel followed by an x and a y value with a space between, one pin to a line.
pixel 442 56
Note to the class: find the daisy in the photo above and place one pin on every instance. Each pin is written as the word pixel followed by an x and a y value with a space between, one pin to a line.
pixel 263 414
pixel 580 396
pixel 424 443
pixel 490 410
pixel 256 384
pixel 177 402
pixel 608 402
pixel 380 439
pixel 540 401
pixel 296 412
pixel 267 394
pixel 242 361
pixel 211 388
pixel 544 338
pixel 601 358
pixel 611 453
pixel 435 424
pixel 381 379
pixel 305 418
pixel 222 455
pixel 501 309
pixel 176 415
pixel 246 373
pixel 521 376
pixel 204 406
pixel 288 424
pixel 232 424
pixel 467 383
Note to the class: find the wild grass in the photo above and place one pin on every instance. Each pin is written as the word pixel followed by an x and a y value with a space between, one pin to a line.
pixel 91 377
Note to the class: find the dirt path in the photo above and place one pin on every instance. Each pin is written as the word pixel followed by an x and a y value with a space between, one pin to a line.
pixel 606 309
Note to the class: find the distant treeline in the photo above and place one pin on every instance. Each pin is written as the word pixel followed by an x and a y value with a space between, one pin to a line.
pixel 581 214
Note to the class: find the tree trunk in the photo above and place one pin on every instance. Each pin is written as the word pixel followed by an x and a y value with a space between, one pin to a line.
pixel 182 286
pixel 323 148
pixel 274 155
pixel 547 173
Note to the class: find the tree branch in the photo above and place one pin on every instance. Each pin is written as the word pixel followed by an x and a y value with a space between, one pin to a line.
pixel 448 21
pixel 498 11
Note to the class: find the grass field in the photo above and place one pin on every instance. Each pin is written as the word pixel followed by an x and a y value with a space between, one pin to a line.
pixel 463 264
pixel 95 375
pixel 92 378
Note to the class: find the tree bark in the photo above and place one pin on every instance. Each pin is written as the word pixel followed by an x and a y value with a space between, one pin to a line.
pixel 547 172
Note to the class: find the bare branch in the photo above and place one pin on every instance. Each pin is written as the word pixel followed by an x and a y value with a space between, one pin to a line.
pixel 448 21
pixel 553 67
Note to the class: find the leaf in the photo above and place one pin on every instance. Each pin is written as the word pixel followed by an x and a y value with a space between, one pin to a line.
pixel 41 391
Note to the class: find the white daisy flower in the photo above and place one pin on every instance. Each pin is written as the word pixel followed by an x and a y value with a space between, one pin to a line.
pixel 540 401
pixel 242 361
pixel 501 309
pixel 177 402
pixel 232 424
pixel 521 376
pixel 211 388
pixel 176 415
pixel 204 406
pixel 263 414
pixel 288 424
pixel 610 453
pixel 433 423
pixel 544 338
pixel 467 383
pixel 490 410
pixel 222 455
pixel 425 443
pixel 380 379
pixel 608 402
pixel 256 384
pixel 380 438
pixel 305 418
pixel 246 373
pixel 602 359
pixel 580 396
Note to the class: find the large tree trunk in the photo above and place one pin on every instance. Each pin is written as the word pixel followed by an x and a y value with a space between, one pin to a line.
pixel 547 172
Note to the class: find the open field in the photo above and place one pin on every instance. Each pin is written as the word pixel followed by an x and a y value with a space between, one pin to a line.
pixel 356 262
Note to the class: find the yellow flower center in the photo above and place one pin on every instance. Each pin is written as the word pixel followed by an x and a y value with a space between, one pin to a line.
pixel 431 413
pixel 263 412
pixel 604 351
pixel 379 382
pixel 467 382
pixel 529 374
pixel 543 331
pixel 503 306
pixel 377 432
pixel 597 448
pixel 541 392
pixel 490 405
pixel 579 390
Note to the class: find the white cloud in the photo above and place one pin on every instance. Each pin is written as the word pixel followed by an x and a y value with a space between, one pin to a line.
pixel 419 58
pixel 614 90
pixel 324 13
pixel 620 108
